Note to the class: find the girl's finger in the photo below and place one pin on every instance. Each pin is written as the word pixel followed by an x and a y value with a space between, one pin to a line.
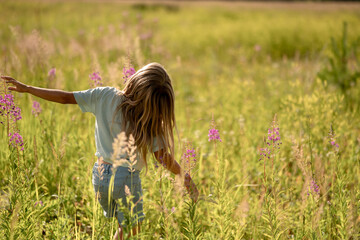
pixel 12 88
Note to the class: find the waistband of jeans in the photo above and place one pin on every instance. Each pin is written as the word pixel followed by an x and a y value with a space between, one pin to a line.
pixel 107 168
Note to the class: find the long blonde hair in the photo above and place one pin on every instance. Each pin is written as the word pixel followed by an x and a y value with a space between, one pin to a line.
pixel 148 109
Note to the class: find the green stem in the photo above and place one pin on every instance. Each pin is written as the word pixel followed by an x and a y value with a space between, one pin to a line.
pixel 310 148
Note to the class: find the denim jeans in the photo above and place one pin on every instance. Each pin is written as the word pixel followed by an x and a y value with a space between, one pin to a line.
pixel 120 198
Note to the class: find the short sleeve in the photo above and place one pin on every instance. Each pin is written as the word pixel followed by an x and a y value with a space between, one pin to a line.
pixel 157 145
pixel 87 99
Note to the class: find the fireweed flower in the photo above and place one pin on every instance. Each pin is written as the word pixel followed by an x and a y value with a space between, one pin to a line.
pixel 265 152
pixel 3 109
pixel 128 72
pixel 155 164
pixel 189 158
pixel 40 203
pixel 36 108
pixel 96 79
pixel 273 141
pixel 146 36
pixel 213 133
pixel 8 108
pixel 16 140
pixel 161 162
pixel 190 155
pixel 274 137
pixel 332 138
pixel 257 48
pixel 13 114
pixel 52 73
pixel 314 188
pixel 333 143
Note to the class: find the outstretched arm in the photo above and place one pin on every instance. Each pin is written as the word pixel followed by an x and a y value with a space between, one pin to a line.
pixel 164 158
pixel 52 95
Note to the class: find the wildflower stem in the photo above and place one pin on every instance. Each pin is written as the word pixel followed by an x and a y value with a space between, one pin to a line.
pixel 7 116
pixel 310 147
pixel 265 174
pixel 18 158
pixel 217 160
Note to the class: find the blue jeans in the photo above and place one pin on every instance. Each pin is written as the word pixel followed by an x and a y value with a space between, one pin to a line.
pixel 116 199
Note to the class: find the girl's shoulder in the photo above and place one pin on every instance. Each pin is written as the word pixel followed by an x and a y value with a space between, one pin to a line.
pixel 108 91
pixel 110 95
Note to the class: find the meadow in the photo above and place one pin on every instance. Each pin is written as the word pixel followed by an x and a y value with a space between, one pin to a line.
pixel 280 83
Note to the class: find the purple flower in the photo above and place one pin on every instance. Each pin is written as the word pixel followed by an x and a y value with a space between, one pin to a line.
pixel 273 135
pixel 156 165
pixel 96 79
pixel 16 140
pixel 257 48
pixel 189 157
pixel 13 113
pixel 332 138
pixel 128 72
pixel 190 154
pixel 273 141
pixel 8 108
pixel 333 143
pixel 36 108
pixel 314 188
pixel 161 162
pixel 213 132
pixel 265 152
pixel 39 203
pixel 145 36
pixel 214 135
pixel 52 73
pixel 172 209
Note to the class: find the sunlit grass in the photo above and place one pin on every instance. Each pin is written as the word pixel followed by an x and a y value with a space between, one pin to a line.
pixel 239 66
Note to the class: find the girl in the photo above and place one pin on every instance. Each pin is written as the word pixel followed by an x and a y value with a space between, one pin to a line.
pixel 143 109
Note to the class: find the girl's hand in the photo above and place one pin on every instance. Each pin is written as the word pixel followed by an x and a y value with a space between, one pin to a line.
pixel 18 86
pixel 191 187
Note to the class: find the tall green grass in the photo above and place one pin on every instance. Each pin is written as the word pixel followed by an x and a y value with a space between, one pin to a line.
pixel 241 66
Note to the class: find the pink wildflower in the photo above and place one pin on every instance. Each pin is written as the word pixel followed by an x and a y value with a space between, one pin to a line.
pixel 52 73
pixel 40 203
pixel 332 138
pixel 128 73
pixel 16 140
pixel 8 108
pixel 145 36
pixel 36 108
pixel 189 157
pixel 257 48
pixel 273 141
pixel 314 188
pixel 213 132
pixel 273 136
pixel 190 153
pixel 265 152
pixel 96 78
pixel 214 135
pixel 161 162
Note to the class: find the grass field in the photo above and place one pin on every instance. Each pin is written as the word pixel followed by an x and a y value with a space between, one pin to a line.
pixel 252 68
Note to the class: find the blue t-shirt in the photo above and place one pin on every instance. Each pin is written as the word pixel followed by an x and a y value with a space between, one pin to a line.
pixel 102 102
